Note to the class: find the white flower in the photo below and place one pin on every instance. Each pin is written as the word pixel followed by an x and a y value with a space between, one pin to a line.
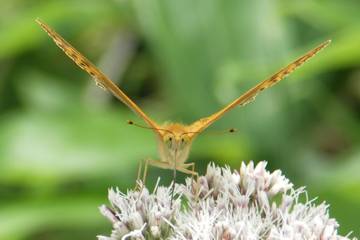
pixel 222 204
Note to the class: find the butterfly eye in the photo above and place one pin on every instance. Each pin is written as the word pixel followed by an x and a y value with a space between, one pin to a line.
pixel 169 140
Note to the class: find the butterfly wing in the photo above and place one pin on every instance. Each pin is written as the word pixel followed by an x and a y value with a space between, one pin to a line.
pixel 250 95
pixel 100 78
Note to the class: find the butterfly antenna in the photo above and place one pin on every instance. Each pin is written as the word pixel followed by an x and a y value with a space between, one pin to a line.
pixel 130 122
pixel 230 130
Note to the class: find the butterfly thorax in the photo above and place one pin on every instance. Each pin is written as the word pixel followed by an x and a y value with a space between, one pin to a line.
pixel 175 143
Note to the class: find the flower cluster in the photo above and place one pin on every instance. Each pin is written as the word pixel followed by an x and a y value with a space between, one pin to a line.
pixel 251 203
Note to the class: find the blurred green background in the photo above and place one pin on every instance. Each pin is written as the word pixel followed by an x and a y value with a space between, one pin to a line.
pixel 64 142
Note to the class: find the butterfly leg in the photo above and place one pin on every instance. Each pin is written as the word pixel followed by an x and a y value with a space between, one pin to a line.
pixel 140 171
pixel 145 170
pixel 189 165
pixel 193 169
pixel 196 185
pixel 155 163
pixel 137 183
pixel 184 169
pixel 165 165
pixel 192 166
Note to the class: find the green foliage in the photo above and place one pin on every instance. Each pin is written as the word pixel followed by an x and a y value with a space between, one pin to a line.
pixel 63 142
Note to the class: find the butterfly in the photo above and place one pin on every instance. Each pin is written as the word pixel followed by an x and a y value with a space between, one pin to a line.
pixel 174 139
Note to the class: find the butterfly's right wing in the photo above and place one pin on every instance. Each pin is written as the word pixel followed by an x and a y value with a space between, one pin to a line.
pixel 250 95
pixel 101 79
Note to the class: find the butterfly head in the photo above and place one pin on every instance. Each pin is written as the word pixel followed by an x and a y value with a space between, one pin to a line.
pixel 175 143
pixel 176 137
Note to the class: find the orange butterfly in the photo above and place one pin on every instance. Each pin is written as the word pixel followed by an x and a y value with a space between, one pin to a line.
pixel 174 139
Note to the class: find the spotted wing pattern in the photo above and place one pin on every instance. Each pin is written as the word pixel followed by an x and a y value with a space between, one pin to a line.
pixel 100 78
pixel 250 95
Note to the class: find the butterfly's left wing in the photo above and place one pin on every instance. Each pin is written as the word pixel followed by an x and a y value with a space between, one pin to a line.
pixel 101 79
pixel 250 95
